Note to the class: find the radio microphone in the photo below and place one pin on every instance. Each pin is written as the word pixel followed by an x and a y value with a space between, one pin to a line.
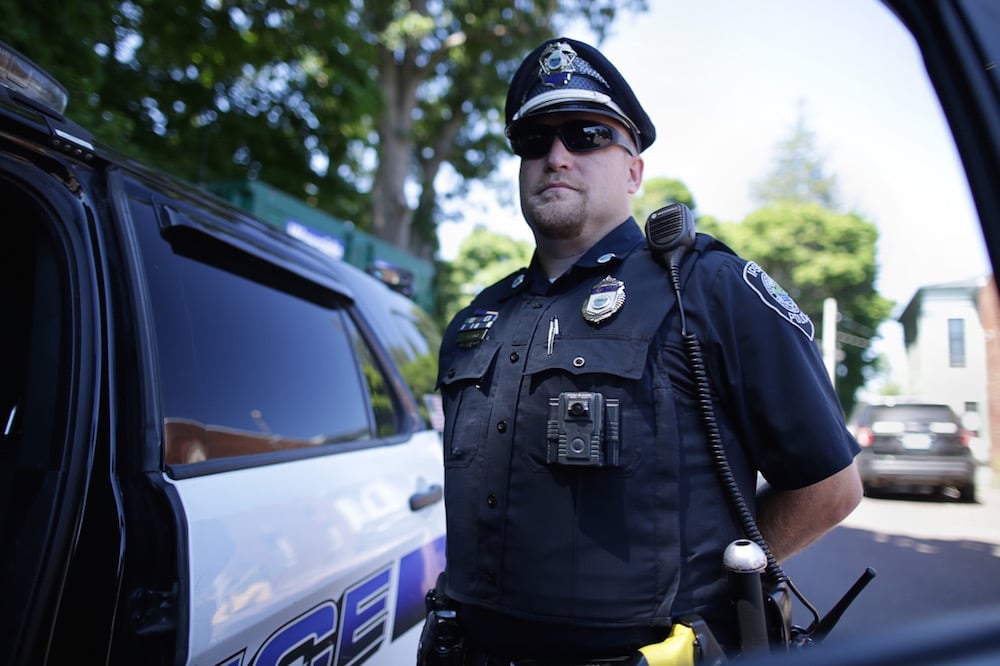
pixel 670 231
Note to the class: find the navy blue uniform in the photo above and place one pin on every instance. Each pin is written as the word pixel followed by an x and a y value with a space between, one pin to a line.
pixel 548 556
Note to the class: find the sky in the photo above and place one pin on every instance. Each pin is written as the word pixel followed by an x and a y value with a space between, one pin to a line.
pixel 725 81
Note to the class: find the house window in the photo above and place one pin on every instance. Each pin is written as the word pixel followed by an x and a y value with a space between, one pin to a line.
pixel 956 343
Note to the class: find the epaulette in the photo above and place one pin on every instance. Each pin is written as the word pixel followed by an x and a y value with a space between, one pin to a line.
pixel 502 289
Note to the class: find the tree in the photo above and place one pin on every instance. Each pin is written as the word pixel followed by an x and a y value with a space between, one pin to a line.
pixel 484 257
pixel 443 77
pixel 212 91
pixel 657 193
pixel 814 252
pixel 798 175
pixel 661 191
pixel 358 108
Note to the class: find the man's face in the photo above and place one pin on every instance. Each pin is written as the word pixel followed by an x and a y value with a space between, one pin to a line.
pixel 565 193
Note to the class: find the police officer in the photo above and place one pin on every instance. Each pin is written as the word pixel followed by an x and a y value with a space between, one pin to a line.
pixel 585 513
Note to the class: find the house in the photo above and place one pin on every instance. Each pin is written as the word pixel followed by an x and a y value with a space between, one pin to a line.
pixel 951 335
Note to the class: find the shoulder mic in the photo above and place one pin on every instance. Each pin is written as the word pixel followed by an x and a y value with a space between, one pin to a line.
pixel 669 232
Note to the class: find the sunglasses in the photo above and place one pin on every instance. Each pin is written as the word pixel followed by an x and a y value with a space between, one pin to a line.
pixel 532 141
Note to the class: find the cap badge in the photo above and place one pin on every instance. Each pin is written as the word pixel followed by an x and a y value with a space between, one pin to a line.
pixel 557 64
pixel 605 299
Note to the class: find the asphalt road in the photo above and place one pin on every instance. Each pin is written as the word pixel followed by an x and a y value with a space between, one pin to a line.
pixel 931 557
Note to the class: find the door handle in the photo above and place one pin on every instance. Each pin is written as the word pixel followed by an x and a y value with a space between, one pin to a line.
pixel 420 499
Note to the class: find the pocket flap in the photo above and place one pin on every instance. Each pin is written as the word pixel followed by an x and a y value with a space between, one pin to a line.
pixel 469 364
pixel 613 356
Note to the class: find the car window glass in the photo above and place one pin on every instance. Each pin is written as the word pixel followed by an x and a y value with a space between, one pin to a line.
pixel 230 349
pixel 413 341
pixel 380 397
pixel 921 413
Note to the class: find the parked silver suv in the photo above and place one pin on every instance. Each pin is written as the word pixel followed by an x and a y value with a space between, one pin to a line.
pixel 914 446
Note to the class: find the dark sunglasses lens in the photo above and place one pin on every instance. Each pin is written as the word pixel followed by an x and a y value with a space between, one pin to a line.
pixel 533 141
pixel 581 138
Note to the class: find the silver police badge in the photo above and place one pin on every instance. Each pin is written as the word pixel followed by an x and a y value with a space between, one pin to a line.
pixel 605 299
pixel 557 65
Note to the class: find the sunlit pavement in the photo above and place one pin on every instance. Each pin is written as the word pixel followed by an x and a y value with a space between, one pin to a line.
pixel 937 518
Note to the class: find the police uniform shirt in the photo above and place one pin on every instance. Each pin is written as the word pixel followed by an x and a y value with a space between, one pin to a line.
pixel 632 543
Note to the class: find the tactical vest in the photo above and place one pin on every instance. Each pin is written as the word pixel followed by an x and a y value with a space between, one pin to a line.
pixel 633 541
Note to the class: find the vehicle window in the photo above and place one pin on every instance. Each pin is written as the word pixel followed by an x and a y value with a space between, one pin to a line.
pixel 921 413
pixel 956 343
pixel 413 340
pixel 248 365
pixel 38 332
pixel 17 256
pixel 411 329
pixel 383 405
pixel 47 388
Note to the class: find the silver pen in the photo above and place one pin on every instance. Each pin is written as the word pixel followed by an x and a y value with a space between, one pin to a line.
pixel 553 332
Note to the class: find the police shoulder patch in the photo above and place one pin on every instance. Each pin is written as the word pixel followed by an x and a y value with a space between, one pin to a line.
pixel 776 298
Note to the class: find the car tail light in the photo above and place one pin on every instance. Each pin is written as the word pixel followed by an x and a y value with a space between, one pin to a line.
pixel 864 436
pixel 964 436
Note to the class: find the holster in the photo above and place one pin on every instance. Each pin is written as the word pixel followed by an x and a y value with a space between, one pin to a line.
pixel 778 614
pixel 441 641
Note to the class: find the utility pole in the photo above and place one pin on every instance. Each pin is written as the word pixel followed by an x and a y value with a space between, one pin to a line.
pixel 830 338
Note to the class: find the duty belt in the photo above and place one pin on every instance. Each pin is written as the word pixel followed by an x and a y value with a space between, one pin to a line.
pixel 687 645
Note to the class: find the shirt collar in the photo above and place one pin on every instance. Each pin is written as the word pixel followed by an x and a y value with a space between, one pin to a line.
pixel 613 248
pixel 606 254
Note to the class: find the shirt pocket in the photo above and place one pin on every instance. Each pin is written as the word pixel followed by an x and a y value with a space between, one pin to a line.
pixel 617 357
pixel 611 366
pixel 465 388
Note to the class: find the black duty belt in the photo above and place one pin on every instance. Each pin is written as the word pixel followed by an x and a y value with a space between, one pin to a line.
pixel 484 659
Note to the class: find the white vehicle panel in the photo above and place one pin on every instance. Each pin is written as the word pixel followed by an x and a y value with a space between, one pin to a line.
pixel 322 556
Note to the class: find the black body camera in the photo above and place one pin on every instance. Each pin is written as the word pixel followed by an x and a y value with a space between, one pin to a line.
pixel 583 430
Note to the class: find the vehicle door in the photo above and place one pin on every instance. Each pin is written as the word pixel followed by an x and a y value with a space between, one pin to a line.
pixel 52 436
pixel 307 486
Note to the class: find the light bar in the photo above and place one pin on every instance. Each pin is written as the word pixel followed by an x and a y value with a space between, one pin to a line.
pixel 18 73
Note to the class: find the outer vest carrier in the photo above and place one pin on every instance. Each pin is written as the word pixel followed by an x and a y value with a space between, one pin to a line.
pixel 593 546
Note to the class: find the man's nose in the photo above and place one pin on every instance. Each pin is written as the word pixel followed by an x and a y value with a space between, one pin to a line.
pixel 558 152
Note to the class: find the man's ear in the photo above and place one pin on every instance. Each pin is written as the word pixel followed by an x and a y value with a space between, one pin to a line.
pixel 634 174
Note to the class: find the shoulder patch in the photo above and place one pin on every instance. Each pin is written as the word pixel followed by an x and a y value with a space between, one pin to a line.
pixel 775 297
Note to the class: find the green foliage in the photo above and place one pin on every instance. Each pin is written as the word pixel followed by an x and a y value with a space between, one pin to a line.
pixel 382 406
pixel 711 225
pixel 657 193
pixel 214 91
pixel 484 257
pixel 443 75
pixel 358 108
pixel 63 42
pixel 353 107
pixel 419 364
pixel 816 253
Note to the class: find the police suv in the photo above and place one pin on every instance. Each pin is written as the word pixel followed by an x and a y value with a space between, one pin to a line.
pixel 214 447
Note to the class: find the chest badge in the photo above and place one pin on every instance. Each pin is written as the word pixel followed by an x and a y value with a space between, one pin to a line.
pixel 605 299
pixel 475 327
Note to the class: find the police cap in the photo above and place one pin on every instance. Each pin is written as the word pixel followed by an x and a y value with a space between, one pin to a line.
pixel 568 75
